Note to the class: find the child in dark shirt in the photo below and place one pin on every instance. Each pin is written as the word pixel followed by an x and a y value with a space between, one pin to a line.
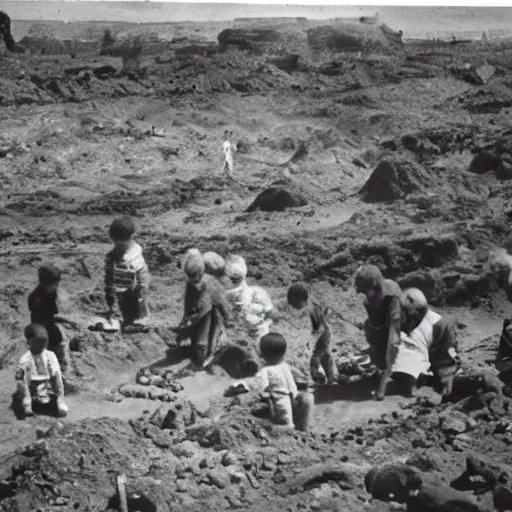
pixel 321 363
pixel 44 303
pixel 382 327
pixel 206 311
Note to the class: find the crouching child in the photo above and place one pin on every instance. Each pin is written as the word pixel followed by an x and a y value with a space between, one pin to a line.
pixel 206 312
pixel 286 405
pixel 39 376
pixel 428 343
pixel 383 325
pixel 321 364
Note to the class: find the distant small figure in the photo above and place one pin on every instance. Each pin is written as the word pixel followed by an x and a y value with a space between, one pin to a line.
pixel 39 374
pixel 228 149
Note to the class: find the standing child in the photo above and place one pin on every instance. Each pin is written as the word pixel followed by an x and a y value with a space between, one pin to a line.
pixel 205 312
pixel 39 373
pixel 382 327
pixel 44 304
pixel 126 276
pixel 228 154
pixel 321 364
pixel 288 407
pixel 251 304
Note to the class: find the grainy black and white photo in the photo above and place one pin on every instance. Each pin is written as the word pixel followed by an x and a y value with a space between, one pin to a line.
pixel 255 257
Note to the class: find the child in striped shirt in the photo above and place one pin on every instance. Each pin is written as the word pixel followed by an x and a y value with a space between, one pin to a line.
pixel 127 276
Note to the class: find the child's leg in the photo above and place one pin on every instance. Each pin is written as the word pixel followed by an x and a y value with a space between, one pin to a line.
pixel 303 406
pixel 199 339
pixel 329 366
pixel 281 410
pixel 23 390
pixel 57 385
pixel 316 367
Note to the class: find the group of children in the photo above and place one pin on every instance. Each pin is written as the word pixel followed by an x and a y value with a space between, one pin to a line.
pixel 405 337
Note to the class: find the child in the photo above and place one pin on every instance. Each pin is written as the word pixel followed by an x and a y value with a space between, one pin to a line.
pixel 277 380
pixel 205 312
pixel 321 364
pixel 382 327
pixel 39 372
pixel 126 276
pixel 251 304
pixel 228 154
pixel 44 303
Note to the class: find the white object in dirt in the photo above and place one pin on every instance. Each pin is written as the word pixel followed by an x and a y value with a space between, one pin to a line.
pixel 112 325
pixel 121 489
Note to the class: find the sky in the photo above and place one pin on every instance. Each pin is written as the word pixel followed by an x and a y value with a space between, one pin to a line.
pixel 413 19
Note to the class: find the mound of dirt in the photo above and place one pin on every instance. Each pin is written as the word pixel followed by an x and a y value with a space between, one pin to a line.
pixel 247 38
pixel 276 199
pixel 353 38
pixel 392 180
pixel 484 162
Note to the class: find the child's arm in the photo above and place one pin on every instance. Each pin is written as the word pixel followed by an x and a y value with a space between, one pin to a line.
pixel 222 304
pixel 393 342
pixel 292 386
pixel 64 315
pixel 109 281
pixel 143 277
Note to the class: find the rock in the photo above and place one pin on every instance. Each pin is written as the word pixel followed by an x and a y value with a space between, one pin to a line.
pixel 276 199
pixel 422 462
pixel 346 475
pixel 461 442
pixel 504 170
pixel 392 482
pixel 502 494
pixel 159 437
pixel 228 459
pixel 441 498
pixel 453 423
pixel 392 180
pixel 219 478
pixel 237 477
pixel 485 72
pixel 247 38
pixel 185 449
pixel 484 162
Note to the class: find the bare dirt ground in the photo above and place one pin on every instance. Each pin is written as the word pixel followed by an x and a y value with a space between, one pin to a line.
pixel 77 150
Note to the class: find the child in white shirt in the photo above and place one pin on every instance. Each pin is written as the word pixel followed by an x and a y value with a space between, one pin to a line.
pixel 39 373
pixel 251 304
pixel 276 379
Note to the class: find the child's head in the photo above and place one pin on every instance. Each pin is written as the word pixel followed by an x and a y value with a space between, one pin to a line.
pixel 194 269
pixel 37 338
pixel 273 348
pixel 298 295
pixel 414 306
pixel 236 269
pixel 370 282
pixel 121 232
pixel 49 277
pixel 214 263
